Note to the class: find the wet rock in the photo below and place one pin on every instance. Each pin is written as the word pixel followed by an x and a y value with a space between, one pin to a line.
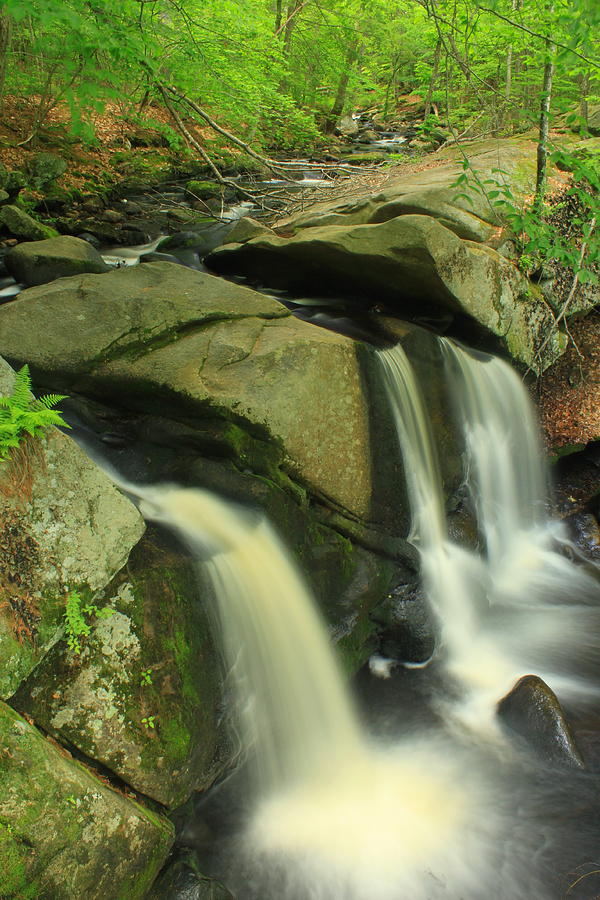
pixel 159 257
pixel 63 832
pixel 21 225
pixel 532 712
pixel 585 533
pixel 38 262
pixel 274 394
pixel 182 880
pixel 63 526
pixel 143 694
pixel 407 631
pixel 208 235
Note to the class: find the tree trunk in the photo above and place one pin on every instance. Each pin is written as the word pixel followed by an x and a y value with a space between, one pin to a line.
pixel 583 101
pixel 5 35
pixel 291 16
pixel 542 148
pixel 434 75
pixel 342 89
pixel 278 15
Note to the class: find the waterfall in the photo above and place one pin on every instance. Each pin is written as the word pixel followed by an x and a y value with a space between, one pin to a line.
pixel 335 815
pixel 295 712
pixel 517 604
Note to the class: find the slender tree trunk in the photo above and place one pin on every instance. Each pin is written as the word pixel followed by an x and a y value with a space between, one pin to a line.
pixel 434 76
pixel 542 148
pixel 278 15
pixel 583 101
pixel 5 35
pixel 342 89
pixel 291 17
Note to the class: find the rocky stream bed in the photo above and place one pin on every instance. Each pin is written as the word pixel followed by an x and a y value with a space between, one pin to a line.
pixel 238 357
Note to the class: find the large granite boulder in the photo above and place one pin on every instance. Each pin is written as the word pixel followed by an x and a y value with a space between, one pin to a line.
pixel 64 526
pixel 64 833
pixel 38 262
pixel 278 394
pixel 415 265
pixel 142 695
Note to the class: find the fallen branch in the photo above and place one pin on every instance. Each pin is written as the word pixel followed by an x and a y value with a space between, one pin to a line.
pixel 275 166
pixel 192 142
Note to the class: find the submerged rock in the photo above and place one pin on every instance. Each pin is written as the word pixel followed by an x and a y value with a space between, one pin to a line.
pixel 532 711
pixel 63 832
pixel 182 880
pixel 39 262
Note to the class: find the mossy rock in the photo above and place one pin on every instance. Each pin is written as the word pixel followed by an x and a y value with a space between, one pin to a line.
pixel 204 190
pixel 63 525
pixel 15 181
pixel 44 168
pixel 21 225
pixel 372 158
pixel 141 170
pixel 142 696
pixel 38 262
pixel 63 832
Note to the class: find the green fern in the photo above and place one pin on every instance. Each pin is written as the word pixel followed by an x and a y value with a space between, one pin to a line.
pixel 21 413
pixel 76 623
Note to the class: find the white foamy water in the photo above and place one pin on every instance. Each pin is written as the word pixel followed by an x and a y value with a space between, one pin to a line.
pixel 336 816
pixel 516 606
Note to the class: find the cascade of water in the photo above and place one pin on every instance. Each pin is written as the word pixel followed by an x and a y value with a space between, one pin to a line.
pixel 296 714
pixel 335 815
pixel 517 606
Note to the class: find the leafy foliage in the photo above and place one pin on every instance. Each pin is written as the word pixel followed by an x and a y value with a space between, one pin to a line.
pixel 77 617
pixel 22 414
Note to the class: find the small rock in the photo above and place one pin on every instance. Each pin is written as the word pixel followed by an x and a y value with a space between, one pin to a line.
pixel 532 711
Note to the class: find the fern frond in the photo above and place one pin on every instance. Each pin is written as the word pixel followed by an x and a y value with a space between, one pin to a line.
pixel 21 393
pixel 50 400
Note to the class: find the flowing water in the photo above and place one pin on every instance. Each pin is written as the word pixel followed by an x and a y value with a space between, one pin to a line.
pixel 517 605
pixel 335 814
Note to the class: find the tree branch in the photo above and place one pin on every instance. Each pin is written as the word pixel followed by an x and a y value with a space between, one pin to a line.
pixel 538 35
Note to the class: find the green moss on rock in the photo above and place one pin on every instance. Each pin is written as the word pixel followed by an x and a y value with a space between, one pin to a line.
pixel 142 697
pixel 64 833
